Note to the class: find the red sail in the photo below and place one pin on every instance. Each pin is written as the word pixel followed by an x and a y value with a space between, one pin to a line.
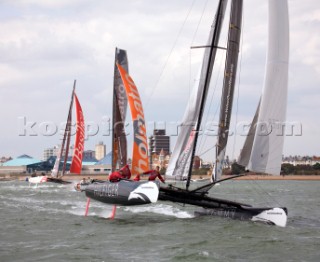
pixel 76 164
pixel 140 161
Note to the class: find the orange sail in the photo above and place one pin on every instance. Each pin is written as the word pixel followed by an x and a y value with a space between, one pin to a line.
pixel 76 164
pixel 140 161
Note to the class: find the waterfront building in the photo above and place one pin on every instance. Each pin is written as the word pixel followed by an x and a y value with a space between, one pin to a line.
pixel 301 160
pixel 100 151
pixel 196 162
pixel 89 154
pixel 21 164
pixel 157 142
pixel 49 152
pixel 4 159
pixel 54 151
pixel 161 160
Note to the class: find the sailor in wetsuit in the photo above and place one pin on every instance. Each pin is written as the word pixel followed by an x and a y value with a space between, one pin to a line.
pixel 153 174
pixel 123 173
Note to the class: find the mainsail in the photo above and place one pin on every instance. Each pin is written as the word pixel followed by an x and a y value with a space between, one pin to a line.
pixel 119 140
pixel 181 160
pixel 140 161
pixel 245 153
pixel 228 85
pixel 267 145
pixel 76 163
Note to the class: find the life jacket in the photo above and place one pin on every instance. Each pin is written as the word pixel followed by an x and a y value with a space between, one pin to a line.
pixel 115 177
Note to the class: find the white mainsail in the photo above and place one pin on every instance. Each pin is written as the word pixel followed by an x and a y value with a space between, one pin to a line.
pixel 55 170
pixel 266 154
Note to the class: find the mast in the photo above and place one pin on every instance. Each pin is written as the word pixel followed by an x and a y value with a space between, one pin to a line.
pixel 67 133
pixel 119 140
pixel 228 85
pixel 207 69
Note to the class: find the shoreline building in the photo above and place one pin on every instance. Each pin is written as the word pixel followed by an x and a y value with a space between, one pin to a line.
pixel 161 160
pixel 89 154
pixel 100 151
pixel 49 152
pixel 55 151
pixel 158 142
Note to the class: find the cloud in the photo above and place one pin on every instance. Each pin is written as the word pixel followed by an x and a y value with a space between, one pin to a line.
pixel 45 45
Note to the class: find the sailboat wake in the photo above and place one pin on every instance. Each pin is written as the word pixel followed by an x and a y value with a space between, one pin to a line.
pixel 162 209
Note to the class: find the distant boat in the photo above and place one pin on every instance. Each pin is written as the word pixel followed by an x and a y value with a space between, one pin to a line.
pixel 261 153
pixel 76 164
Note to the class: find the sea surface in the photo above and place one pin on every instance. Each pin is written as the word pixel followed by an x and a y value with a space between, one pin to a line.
pixel 47 223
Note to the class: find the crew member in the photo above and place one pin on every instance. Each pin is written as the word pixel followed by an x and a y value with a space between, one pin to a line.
pixel 153 174
pixel 137 178
pixel 123 173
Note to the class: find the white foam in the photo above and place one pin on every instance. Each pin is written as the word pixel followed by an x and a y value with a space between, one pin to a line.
pixel 162 209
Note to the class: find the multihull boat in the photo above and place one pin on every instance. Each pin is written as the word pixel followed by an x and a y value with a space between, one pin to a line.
pixel 261 153
pixel 76 164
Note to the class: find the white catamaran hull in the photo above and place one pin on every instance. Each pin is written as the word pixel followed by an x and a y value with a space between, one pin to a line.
pixel 272 216
pixel 276 216
pixel 37 179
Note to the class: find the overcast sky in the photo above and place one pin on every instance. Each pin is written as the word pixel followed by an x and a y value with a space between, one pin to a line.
pixel 46 44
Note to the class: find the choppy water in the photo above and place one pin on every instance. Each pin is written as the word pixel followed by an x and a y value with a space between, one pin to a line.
pixel 47 224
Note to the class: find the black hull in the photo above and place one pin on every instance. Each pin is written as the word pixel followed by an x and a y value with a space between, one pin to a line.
pixel 242 213
pixel 224 208
pixel 125 192
pixel 58 181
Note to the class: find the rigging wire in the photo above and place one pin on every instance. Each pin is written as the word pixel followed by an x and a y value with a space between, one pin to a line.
pixel 203 140
pixel 260 189
pixel 168 58
pixel 170 53
pixel 192 41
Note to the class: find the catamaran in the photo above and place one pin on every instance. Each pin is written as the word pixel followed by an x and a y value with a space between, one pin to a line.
pixel 261 153
pixel 76 163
